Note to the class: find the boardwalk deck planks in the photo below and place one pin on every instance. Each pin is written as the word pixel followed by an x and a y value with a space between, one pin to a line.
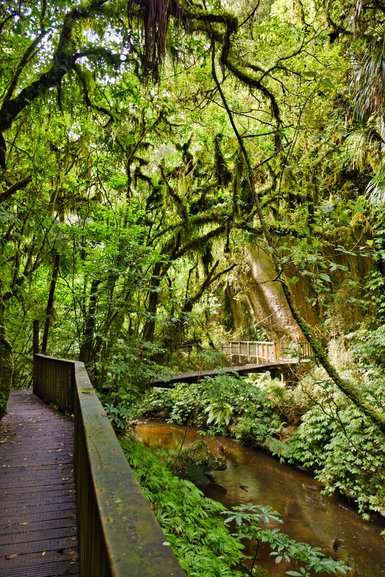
pixel 38 529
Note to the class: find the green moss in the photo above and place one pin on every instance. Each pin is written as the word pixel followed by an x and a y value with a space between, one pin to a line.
pixel 194 462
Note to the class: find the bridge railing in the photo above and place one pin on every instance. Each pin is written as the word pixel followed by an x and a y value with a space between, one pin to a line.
pixel 304 350
pixel 253 351
pixel 260 352
pixel 118 533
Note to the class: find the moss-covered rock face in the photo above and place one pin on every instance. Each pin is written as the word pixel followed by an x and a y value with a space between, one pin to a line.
pixel 6 372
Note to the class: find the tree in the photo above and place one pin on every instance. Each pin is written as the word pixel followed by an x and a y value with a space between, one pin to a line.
pixel 113 162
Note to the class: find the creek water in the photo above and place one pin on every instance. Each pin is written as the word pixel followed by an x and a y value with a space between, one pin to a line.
pixel 252 476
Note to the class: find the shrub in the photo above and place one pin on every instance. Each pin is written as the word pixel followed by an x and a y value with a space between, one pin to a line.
pixel 197 360
pixel 368 346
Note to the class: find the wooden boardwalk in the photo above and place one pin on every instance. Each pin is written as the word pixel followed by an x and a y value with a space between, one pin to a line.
pixel 38 530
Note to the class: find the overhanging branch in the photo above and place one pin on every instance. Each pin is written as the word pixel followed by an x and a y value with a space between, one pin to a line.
pixel 63 62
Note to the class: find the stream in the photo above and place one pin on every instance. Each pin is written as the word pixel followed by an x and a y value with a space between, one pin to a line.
pixel 252 476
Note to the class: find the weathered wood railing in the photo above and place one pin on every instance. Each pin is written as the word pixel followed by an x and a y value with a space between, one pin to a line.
pixel 304 350
pixel 118 533
pixel 265 351
pixel 253 351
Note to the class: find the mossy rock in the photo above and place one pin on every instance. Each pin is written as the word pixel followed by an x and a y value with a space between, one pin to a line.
pixel 195 462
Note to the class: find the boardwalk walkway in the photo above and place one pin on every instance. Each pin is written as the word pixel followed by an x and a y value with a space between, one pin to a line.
pixel 38 534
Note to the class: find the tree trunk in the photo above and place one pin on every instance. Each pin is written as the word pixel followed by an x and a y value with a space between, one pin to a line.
pixel 6 365
pixel 153 301
pixel 50 302
pixel 86 347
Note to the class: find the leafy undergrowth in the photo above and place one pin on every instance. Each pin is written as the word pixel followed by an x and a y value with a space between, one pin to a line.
pixel 222 405
pixel 344 449
pixel 197 360
pixel 207 538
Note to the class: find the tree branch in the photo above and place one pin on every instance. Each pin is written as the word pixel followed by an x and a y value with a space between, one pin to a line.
pixel 231 26
pixel 14 188
pixel 22 64
pixel 63 62
pixel 83 81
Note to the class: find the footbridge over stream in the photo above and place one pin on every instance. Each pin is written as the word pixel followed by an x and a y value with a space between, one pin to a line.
pixel 249 357
pixel 69 502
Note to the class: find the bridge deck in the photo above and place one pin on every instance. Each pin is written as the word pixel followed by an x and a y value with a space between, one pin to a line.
pixel 274 367
pixel 38 530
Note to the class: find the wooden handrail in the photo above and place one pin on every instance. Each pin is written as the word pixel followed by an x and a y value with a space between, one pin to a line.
pixel 118 533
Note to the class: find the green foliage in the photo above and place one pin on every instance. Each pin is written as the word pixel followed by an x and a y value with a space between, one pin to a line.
pixel 253 522
pixel 192 523
pixel 156 399
pixel 368 346
pixel 134 364
pixel 126 377
pixel 195 461
pixel 344 449
pixel 290 402
pixel 119 404
pixel 6 363
pixel 374 288
pixel 223 405
pixel 197 360
pixel 3 403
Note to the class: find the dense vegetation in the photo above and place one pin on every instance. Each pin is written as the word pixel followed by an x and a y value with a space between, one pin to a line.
pixel 173 172
pixel 197 528
pixel 311 425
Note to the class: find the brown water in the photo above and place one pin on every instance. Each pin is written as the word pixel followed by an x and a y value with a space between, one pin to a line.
pixel 253 477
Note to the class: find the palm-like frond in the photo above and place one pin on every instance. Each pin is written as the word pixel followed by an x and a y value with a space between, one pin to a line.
pixel 368 80
pixel 376 188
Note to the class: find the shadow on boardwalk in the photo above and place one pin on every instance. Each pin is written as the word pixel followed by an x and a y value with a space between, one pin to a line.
pixel 38 532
